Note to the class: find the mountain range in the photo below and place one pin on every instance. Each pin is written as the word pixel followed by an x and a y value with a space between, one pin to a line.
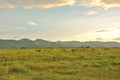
pixel 27 43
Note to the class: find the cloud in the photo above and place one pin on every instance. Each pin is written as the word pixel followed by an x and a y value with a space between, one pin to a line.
pixel 89 13
pixel 2 30
pixel 102 31
pixel 16 37
pixel 99 39
pixel 101 3
pixel 35 3
pixel 31 23
pixel 118 39
pixel 20 28
pixel 118 28
pixel 28 4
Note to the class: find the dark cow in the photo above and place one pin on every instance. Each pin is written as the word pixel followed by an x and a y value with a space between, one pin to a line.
pixel 38 50
pixel 93 49
pixel 106 49
pixel 73 50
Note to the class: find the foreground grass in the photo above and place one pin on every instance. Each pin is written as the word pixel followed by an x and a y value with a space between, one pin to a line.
pixel 56 64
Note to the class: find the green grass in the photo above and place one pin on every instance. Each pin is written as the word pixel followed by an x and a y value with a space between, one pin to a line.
pixel 57 64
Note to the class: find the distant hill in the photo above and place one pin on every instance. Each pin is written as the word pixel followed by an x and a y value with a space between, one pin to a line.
pixel 43 43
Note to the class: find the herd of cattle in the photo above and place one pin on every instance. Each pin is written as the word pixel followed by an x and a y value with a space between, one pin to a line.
pixel 72 50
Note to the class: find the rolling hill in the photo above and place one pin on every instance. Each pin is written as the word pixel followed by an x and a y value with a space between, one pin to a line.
pixel 44 43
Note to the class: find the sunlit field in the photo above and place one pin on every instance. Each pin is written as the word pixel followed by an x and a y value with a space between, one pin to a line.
pixel 60 64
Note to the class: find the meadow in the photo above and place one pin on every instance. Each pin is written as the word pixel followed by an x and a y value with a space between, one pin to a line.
pixel 60 64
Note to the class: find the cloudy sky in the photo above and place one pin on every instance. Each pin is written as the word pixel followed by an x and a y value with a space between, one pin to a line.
pixel 65 20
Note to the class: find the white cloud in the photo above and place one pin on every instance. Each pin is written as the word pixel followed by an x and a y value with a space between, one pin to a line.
pixel 89 13
pixel 118 28
pixel 31 23
pixel 35 3
pixel 99 39
pixel 2 30
pixel 54 3
pixel 102 30
pixel 20 28
pixel 101 3
pixel 118 38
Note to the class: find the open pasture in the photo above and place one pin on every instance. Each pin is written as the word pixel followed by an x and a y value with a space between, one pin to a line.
pixel 60 64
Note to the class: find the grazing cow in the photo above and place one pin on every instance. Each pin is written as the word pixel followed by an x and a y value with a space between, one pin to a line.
pixel 106 49
pixel 72 50
pixel 93 49
pixel 82 49
pixel 38 50
pixel 63 49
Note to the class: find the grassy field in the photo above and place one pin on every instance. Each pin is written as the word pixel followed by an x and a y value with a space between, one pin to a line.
pixel 60 64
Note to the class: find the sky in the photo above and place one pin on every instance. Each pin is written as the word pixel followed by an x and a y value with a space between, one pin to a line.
pixel 60 20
